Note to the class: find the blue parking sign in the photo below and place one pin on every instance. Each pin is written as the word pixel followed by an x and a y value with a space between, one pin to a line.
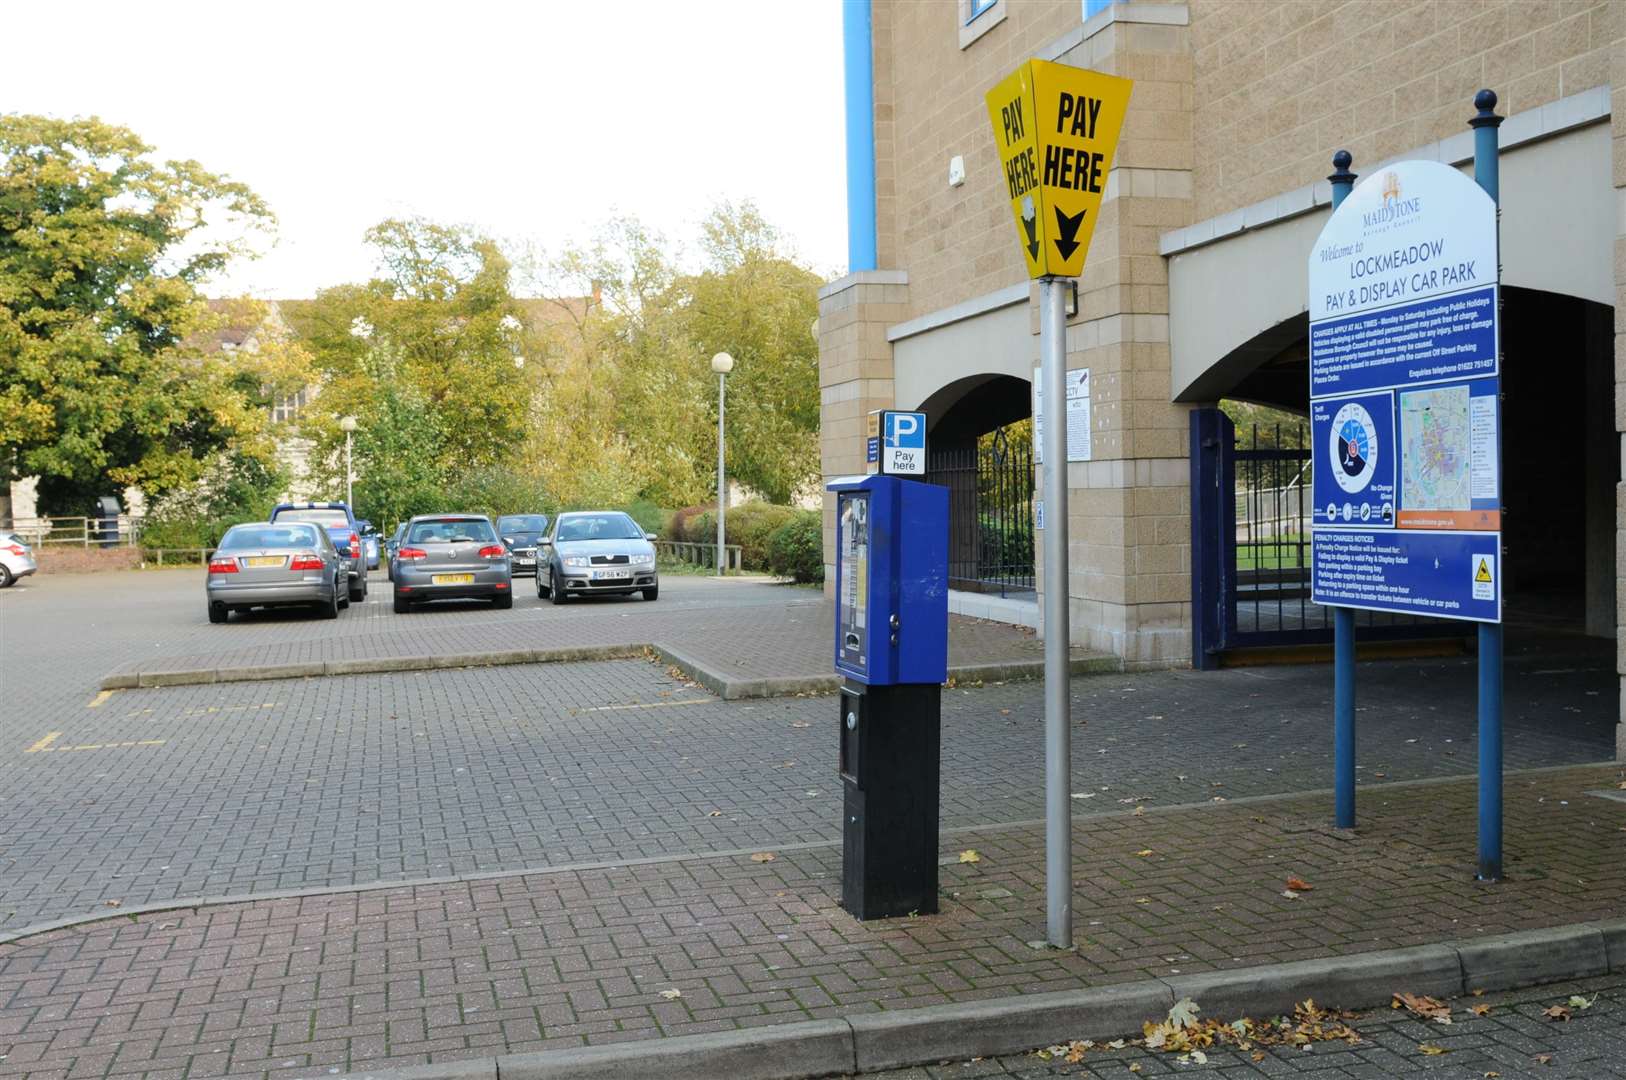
pixel 903 443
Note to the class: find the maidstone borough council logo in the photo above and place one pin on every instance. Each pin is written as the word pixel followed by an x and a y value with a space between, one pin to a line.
pixel 1391 187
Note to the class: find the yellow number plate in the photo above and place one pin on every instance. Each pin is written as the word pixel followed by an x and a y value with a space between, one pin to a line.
pixel 453 579
pixel 265 560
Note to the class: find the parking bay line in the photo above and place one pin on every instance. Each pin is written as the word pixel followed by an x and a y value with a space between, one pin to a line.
pixel 649 705
pixel 39 749
pixel 100 699
pixel 44 743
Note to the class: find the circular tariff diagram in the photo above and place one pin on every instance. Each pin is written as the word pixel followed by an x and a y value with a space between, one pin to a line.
pixel 1354 447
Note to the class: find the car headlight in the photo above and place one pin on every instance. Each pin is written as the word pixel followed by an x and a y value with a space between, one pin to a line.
pixel 575 560
pixel 643 560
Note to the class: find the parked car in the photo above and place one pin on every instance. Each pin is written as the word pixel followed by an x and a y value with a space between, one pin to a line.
pixel 597 552
pixel 391 546
pixel 16 559
pixel 276 564
pixel 522 533
pixel 371 542
pixel 448 557
pixel 342 529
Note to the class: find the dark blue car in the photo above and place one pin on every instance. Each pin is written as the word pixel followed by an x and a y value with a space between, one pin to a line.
pixel 342 526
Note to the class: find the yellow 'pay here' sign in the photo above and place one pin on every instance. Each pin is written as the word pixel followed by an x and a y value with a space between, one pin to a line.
pixel 1056 127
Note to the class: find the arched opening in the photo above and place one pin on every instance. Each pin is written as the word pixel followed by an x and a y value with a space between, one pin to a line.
pixel 1559 460
pixel 981 448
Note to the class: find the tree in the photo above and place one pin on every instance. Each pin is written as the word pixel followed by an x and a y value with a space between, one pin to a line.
pixel 103 383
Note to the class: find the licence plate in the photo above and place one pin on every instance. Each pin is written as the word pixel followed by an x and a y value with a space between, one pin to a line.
pixel 453 579
pixel 611 575
pixel 264 560
pixel 523 561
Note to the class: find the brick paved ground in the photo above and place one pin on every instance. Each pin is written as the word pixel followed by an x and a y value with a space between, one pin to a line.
pixel 274 785
pixel 1513 1040
pixel 398 976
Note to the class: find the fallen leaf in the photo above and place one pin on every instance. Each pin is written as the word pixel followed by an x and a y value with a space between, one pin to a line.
pixel 1143 852
pixel 1557 1012
pixel 969 856
pixel 715 813
pixel 1479 1010
pixel 1492 1075
pixel 1184 1012
pixel 800 723
pixel 1426 1007
pixel 1199 1057
pixel 1116 1044
pixel 671 995
pixel 1083 794
pixel 1134 1068
pixel 1431 1050
pixel 113 903
pixel 1258 1056
pixel 1290 894
pixel 1298 884
pixel 763 856
pixel 1543 1059
pixel 1579 1002
pixel 1140 811
pixel 1144 900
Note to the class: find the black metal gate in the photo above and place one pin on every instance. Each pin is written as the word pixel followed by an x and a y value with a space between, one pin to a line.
pixel 1250 524
pixel 990 513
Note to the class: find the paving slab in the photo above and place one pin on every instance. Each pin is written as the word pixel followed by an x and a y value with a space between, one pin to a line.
pixel 542 962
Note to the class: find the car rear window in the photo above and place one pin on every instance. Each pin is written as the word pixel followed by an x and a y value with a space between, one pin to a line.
pixel 452 531
pixel 269 536
pixel 332 519
pixel 522 523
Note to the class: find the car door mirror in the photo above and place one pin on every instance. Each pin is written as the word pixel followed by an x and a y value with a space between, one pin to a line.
pixel 651 537
pixel 546 541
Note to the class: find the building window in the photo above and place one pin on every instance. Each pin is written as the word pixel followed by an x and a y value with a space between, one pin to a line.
pixel 287 407
pixel 977 17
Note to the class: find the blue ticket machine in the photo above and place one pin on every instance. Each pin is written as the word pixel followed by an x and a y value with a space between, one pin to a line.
pixel 891 644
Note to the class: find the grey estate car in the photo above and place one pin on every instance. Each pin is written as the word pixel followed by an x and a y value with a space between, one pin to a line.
pixel 596 553
pixel 451 557
pixel 276 564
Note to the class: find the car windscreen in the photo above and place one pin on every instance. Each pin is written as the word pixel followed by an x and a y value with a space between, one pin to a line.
pixel 451 531
pixel 526 523
pixel 269 536
pixel 332 519
pixel 598 527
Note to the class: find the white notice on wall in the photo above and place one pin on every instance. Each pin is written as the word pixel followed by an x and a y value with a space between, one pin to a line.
pixel 1482 446
pixel 1078 416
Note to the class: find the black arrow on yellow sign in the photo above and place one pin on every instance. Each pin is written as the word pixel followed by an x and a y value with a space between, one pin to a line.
pixel 1067 228
pixel 1031 224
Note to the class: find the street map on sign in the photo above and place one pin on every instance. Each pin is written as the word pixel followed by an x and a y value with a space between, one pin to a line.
pixel 1434 472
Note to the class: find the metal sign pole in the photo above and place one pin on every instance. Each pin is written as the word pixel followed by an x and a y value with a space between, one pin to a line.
pixel 1343 624
pixel 1487 176
pixel 1058 734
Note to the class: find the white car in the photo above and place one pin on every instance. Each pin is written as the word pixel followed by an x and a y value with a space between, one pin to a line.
pixel 16 560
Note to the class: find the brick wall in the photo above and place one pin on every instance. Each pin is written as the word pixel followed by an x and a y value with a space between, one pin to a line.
pixel 1280 84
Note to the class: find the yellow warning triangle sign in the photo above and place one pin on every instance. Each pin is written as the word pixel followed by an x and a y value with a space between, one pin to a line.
pixel 1483 573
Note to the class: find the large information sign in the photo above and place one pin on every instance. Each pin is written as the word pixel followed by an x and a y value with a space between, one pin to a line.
pixel 1405 398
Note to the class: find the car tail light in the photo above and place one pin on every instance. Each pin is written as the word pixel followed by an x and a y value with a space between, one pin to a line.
pixel 306 560
pixel 222 566
pixel 493 551
pixel 355 542
pixel 411 554
pixel 17 549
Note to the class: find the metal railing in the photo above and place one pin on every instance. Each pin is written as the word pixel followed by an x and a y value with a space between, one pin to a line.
pixel 85 532
pixel 699 554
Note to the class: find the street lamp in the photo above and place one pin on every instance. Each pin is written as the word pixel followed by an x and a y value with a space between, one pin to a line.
pixel 722 364
pixel 347 424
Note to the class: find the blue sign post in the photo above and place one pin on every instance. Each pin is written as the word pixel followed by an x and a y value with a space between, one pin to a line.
pixel 1405 418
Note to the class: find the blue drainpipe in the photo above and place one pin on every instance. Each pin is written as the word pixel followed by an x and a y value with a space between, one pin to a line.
pixel 855 27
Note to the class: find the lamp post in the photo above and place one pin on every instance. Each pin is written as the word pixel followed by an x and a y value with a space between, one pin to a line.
pixel 722 364
pixel 347 424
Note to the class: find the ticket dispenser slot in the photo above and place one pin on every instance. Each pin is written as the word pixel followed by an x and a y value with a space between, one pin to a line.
pixel 891 644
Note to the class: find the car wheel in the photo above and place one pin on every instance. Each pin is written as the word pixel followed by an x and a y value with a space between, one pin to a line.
pixel 556 588
pixel 5 578
pixel 652 592
pixel 330 609
pixel 542 589
pixel 503 602
pixel 217 613
pixel 359 593
pixel 402 605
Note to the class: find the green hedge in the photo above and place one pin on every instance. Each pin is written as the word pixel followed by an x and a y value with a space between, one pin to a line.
pixel 796 548
pixel 749 525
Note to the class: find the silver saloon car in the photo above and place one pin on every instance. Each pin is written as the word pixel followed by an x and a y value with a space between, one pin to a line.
pixel 16 559
pixel 597 553
pixel 451 557
pixel 276 564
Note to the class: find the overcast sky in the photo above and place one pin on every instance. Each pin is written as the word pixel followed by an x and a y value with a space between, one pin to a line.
pixel 531 120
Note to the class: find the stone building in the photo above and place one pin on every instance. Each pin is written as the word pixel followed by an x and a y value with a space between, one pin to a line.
pixel 1195 288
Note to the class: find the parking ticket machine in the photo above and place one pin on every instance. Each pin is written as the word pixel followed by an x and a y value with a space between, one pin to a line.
pixel 891 644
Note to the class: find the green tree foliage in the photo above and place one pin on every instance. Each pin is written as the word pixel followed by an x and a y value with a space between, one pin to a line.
pixel 103 382
pixel 424 358
pixel 630 401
